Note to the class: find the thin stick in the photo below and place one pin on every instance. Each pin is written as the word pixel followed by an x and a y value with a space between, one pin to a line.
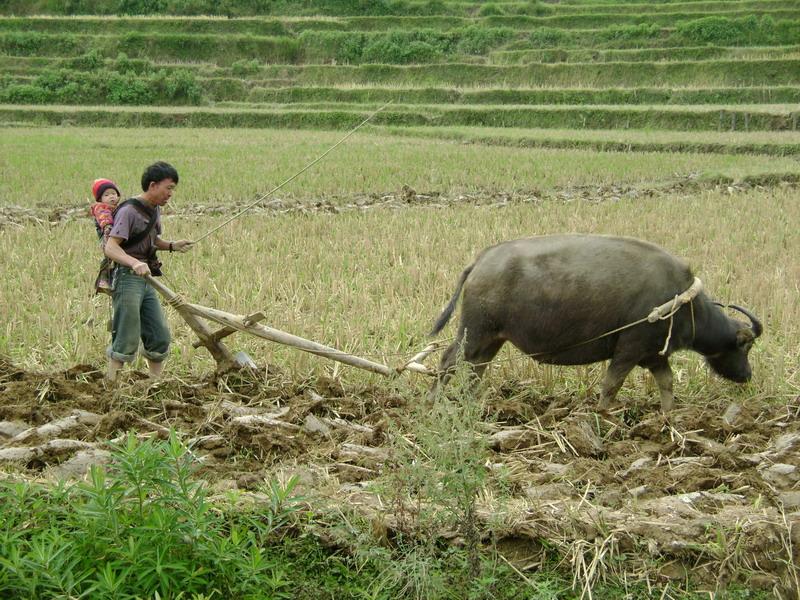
pixel 296 175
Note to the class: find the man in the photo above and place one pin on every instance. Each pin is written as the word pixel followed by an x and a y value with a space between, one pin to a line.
pixel 132 243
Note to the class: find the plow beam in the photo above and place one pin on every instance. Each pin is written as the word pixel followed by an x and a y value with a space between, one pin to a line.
pixel 232 323
pixel 238 323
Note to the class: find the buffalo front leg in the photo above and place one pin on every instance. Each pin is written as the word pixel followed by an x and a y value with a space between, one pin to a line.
pixel 618 370
pixel 663 375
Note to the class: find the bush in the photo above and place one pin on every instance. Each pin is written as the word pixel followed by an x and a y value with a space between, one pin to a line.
pixel 65 86
pixel 340 8
pixel 323 46
pixel 490 10
pixel 123 64
pixel 479 40
pixel 351 49
pixel 90 61
pixel 724 31
pixel 619 33
pixel 23 94
pixel 127 89
pixel 180 87
pixel 406 47
pixel 392 52
pixel 535 9
pixel 21 43
pixel 245 67
pixel 400 46
pixel 548 37
pixel 104 86
pixel 141 7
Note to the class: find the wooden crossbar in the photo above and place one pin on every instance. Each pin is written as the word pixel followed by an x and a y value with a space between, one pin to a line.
pixel 226 331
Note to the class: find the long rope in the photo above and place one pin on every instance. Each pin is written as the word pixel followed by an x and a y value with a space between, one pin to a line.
pixel 293 177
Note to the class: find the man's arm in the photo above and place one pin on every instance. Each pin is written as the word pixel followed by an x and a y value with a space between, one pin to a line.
pixel 114 251
pixel 178 246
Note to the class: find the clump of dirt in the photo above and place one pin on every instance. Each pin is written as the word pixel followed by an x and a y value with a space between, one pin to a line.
pixel 713 490
pixel 114 424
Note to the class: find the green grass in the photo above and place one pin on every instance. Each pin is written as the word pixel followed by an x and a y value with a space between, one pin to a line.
pixel 703 74
pixel 90 79
pixel 771 143
pixel 227 165
pixel 355 39
pixel 557 55
pixel 623 29
pixel 344 117
pixel 147 526
pixel 276 51
pixel 143 527
pixel 704 6
pixel 613 16
pixel 407 7
pixel 502 95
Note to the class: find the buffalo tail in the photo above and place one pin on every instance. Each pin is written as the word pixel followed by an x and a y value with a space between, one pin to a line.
pixel 451 306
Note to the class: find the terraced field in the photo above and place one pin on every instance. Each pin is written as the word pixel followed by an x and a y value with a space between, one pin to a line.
pixel 726 67
pixel 671 121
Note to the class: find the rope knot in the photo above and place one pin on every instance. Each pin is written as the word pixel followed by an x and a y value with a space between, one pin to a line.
pixel 177 301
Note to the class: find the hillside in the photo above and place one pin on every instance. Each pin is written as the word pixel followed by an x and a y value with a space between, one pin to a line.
pixel 611 67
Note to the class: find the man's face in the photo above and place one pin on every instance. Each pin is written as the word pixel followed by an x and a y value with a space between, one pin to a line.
pixel 161 192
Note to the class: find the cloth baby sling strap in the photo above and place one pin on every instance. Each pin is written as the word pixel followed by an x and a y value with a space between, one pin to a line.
pixel 152 216
pixel 108 268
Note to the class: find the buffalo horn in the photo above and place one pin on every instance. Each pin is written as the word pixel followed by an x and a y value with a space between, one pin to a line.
pixel 757 327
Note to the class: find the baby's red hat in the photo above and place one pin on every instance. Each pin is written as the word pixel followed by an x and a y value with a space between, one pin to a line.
pixel 101 185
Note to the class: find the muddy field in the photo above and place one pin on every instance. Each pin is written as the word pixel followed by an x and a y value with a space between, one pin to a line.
pixel 712 492
pixel 407 197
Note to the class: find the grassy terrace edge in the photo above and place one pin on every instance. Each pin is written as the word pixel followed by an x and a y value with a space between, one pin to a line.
pixel 605 141
pixel 672 118
pixel 282 26
pixel 619 82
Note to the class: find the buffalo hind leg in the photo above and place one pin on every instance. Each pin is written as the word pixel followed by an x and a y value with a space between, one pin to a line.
pixel 663 375
pixel 477 353
pixel 446 366
pixel 618 370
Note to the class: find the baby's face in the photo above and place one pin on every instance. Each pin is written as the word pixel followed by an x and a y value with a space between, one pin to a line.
pixel 110 196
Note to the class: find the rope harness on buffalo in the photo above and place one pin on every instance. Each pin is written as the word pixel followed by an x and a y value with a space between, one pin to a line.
pixel 659 313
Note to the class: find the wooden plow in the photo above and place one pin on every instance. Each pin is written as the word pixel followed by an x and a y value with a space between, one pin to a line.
pixel 194 314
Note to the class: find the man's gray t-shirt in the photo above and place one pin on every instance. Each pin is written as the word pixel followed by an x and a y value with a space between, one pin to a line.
pixel 129 221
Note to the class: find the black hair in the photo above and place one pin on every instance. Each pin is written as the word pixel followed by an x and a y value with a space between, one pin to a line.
pixel 156 172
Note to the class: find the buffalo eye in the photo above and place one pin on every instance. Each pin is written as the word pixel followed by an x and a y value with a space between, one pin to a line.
pixel 744 339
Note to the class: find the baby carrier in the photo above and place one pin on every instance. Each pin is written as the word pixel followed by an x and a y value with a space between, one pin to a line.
pixel 103 283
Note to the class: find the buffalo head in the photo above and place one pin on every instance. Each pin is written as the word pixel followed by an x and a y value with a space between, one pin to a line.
pixel 732 362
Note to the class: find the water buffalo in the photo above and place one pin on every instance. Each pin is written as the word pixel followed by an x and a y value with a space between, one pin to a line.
pixel 548 295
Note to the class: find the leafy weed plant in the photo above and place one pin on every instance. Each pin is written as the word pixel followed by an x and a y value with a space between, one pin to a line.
pixel 435 488
pixel 144 526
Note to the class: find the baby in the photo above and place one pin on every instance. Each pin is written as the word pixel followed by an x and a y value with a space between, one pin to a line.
pixel 106 195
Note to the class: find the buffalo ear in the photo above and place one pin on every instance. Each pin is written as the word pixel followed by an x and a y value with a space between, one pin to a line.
pixel 745 338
